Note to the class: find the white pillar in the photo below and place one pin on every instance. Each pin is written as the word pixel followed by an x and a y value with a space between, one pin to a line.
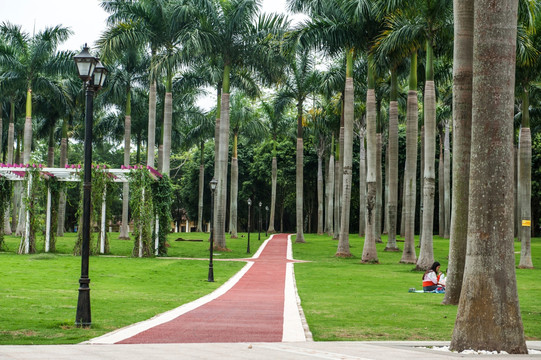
pixel 103 215
pixel 27 225
pixel 48 221
pixel 141 230
pixel 187 226
pixel 157 240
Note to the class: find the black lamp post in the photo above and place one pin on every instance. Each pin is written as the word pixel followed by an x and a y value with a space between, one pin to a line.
pixel 249 207
pixel 266 219
pixel 213 184
pixel 93 73
pixel 259 237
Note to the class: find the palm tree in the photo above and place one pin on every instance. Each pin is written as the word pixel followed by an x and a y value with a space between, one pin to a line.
pixel 276 126
pixel 36 61
pixel 144 23
pixel 301 80
pixel 246 121
pixel 489 294
pixel 229 30
pixel 128 69
pixel 528 65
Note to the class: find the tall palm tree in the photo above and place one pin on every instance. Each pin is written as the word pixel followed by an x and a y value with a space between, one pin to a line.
pixel 231 31
pixel 36 61
pixel 276 125
pixel 244 120
pixel 489 294
pixel 128 69
pixel 301 80
pixel 528 66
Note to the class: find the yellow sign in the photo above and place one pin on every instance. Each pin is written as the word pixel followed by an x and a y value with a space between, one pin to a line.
pixel 526 223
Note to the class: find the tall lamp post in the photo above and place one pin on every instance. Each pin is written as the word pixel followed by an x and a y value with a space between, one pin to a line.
pixel 249 207
pixel 266 219
pixel 213 184
pixel 259 237
pixel 93 74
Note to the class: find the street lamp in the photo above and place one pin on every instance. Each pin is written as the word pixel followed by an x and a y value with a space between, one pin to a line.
pixel 249 207
pixel 259 237
pixel 266 219
pixel 213 184
pixel 93 74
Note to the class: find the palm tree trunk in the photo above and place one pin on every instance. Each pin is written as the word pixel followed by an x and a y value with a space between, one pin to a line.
pixel 234 191
pixel 525 181
pixel 28 128
pixel 274 177
pixel 403 207
pixel 369 249
pixel 393 175
pixel 330 196
pixel 343 241
pixel 336 202
pixel 379 192
pixel 408 254
pixel 124 230
pixel 422 185
pixel 11 133
pixel 167 128
pixel 362 183
pixel 62 201
pixel 320 196
pixel 201 189
pixel 221 189
pixel 50 150
pixel 426 254
pixel 462 123
pixel 447 182
pixel 441 190
pixel 489 295
pixel 386 192
pixel 151 144
pixel 299 177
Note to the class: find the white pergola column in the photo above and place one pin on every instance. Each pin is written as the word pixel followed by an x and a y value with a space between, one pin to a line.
pixel 27 224
pixel 103 215
pixel 48 221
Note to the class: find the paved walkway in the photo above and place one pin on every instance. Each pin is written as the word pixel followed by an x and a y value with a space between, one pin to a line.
pixel 258 305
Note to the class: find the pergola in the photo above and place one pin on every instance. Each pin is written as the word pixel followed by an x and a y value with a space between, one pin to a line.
pixel 17 172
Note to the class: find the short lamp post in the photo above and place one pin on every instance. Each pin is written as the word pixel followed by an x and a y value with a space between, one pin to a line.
pixel 249 207
pixel 266 219
pixel 93 74
pixel 213 184
pixel 259 237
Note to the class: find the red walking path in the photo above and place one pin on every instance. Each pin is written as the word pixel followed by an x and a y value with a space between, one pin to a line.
pixel 252 310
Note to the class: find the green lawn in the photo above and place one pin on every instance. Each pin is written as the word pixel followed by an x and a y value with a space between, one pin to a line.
pixel 342 299
pixel 345 300
pixel 38 293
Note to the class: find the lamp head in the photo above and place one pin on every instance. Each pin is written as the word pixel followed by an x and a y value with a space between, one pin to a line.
pixel 213 184
pixel 249 202
pixel 85 64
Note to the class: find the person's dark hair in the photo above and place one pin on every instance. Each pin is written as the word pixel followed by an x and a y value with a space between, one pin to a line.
pixel 433 268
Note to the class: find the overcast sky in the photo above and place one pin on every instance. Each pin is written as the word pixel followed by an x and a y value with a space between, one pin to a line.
pixel 85 18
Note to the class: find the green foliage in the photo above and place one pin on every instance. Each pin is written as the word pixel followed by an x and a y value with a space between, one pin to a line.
pixel 33 194
pixel 5 195
pixel 162 192
pixel 101 181
pixel 142 205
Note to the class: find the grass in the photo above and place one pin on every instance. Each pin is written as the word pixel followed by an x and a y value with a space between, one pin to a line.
pixel 341 298
pixel 38 293
pixel 346 300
